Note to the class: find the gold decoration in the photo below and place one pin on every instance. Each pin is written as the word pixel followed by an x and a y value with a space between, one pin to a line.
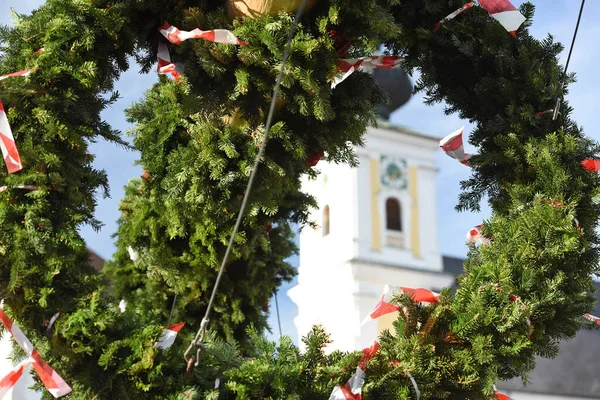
pixel 254 8
pixel 235 120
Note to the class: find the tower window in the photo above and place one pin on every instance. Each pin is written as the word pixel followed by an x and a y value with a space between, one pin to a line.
pixel 393 215
pixel 325 221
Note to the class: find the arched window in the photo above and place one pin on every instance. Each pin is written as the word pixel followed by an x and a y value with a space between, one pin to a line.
pixel 325 225
pixel 393 214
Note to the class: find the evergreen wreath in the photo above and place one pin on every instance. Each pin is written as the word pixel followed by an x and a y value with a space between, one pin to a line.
pixel 198 136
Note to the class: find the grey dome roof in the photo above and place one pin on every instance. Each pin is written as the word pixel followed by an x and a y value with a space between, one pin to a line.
pixel 396 84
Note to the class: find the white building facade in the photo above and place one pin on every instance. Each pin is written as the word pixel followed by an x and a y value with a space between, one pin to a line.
pixel 377 225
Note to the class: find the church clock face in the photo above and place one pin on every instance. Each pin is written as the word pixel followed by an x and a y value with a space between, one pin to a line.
pixel 393 172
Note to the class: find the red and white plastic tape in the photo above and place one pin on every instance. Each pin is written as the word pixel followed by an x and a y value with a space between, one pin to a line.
pixel 592 318
pixel 453 15
pixel 51 380
pixel 168 336
pixel 8 145
pixel 24 187
pixel 384 306
pixel 505 13
pixel 10 380
pixel 591 165
pixel 352 390
pixel 350 65
pixel 18 73
pixel 453 146
pixel 502 11
pixel 474 235
pixel 165 66
pixel 176 36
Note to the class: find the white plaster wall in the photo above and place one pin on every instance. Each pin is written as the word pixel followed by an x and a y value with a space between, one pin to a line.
pixel 428 218
pixel 323 273
pixel 362 230
pixel 328 301
pixel 20 391
pixel 334 187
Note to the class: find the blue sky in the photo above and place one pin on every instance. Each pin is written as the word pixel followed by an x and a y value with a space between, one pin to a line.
pixel 555 16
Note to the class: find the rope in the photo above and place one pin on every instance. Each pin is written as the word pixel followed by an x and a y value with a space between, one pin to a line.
pixel 562 81
pixel 203 325
pixel 278 318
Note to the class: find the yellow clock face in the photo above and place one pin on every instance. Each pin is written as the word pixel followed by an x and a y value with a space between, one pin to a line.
pixel 393 172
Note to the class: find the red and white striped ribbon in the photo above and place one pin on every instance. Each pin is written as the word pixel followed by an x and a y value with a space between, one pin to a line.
pixel 539 114
pixel 165 66
pixel 314 158
pixel 350 65
pixel 8 145
pixel 384 306
pixel 591 165
pixel 453 146
pixel 592 318
pixel 474 235
pixel 18 73
pixel 51 380
pixel 176 36
pixel 25 187
pixel 168 336
pixel 505 13
pixel 352 390
pixel 10 380
pixel 452 15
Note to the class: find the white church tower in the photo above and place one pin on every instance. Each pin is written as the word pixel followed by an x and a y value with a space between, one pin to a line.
pixel 377 226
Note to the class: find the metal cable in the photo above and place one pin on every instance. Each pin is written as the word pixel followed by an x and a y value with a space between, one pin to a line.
pixel 574 37
pixel 203 325
pixel 172 309
pixel 415 386
pixel 278 317
pixel 564 76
